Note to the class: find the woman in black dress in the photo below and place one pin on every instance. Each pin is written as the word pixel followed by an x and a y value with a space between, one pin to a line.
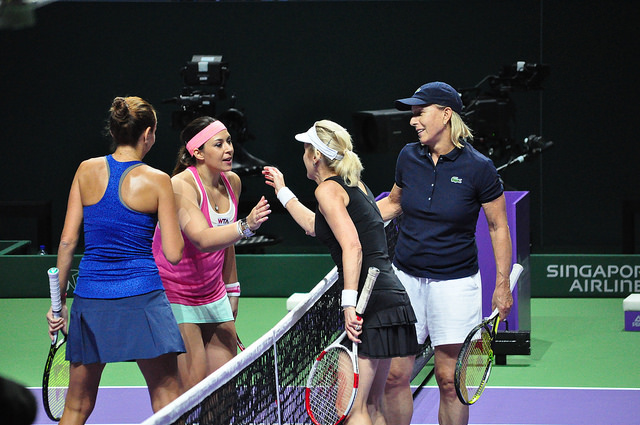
pixel 347 220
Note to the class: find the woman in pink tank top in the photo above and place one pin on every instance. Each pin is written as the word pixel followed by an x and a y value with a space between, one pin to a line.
pixel 203 288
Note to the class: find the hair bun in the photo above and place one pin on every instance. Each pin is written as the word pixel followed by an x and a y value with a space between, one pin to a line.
pixel 120 108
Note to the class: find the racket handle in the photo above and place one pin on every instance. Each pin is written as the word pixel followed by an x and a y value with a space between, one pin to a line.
pixel 372 275
pixel 516 270
pixel 54 291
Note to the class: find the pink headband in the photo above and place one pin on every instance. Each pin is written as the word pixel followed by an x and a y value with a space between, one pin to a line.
pixel 205 134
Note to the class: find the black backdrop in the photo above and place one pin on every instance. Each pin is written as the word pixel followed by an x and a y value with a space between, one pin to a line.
pixel 292 63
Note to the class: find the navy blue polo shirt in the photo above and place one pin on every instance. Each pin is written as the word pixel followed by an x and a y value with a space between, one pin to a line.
pixel 440 205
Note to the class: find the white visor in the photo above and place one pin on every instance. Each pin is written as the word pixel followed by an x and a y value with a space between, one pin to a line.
pixel 312 137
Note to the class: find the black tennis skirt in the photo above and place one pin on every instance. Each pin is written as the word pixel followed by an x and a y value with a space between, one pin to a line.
pixel 122 329
pixel 389 326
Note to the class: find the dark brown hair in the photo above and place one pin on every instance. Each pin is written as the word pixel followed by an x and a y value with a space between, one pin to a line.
pixel 128 118
pixel 185 159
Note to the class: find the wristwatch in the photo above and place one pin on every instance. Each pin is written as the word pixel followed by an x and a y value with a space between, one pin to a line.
pixel 245 229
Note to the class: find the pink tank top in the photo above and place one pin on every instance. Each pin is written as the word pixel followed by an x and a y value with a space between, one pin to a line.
pixel 197 278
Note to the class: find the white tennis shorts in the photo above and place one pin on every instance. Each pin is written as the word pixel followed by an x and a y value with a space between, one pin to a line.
pixel 446 309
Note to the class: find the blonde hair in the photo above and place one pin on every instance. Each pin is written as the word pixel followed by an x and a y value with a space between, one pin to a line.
pixel 338 138
pixel 459 130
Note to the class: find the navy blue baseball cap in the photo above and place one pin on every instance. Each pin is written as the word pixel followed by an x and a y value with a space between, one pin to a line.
pixel 432 93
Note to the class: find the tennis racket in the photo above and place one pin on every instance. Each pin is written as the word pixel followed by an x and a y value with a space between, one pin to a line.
pixel 332 384
pixel 240 344
pixel 55 380
pixel 476 355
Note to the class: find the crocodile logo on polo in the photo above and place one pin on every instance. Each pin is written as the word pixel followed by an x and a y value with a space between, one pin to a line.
pixel 456 179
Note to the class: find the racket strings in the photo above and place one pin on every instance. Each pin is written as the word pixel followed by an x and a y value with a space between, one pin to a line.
pixel 332 386
pixel 58 382
pixel 474 364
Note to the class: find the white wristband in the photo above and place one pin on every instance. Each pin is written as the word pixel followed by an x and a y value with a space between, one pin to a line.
pixel 285 195
pixel 233 289
pixel 239 229
pixel 349 298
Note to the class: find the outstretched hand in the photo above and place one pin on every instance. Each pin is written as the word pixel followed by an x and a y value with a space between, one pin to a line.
pixel 274 178
pixel 259 214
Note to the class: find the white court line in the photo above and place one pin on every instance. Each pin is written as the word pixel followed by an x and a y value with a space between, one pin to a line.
pixel 546 388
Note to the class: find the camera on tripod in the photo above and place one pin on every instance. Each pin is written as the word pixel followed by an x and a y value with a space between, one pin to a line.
pixel 205 77
pixel 491 113
pixel 194 101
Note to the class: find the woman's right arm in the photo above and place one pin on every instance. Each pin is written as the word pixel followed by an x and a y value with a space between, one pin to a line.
pixel 68 242
pixel 299 212
pixel 70 233
pixel 195 225
pixel 390 206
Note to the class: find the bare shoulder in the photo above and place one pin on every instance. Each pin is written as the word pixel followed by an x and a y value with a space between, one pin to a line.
pixel 183 177
pixel 185 186
pixel 100 160
pixel 329 185
pixel 330 190
pixel 152 175
pixel 92 163
pixel 92 168
pixel 234 181
pixel 154 172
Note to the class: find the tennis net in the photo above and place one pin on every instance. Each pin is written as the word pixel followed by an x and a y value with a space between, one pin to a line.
pixel 265 383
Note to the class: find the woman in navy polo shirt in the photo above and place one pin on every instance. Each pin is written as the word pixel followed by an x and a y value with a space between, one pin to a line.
pixel 440 185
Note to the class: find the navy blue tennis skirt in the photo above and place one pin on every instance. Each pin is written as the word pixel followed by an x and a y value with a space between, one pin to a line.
pixel 122 329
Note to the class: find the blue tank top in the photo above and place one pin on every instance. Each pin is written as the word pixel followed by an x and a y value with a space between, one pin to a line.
pixel 118 261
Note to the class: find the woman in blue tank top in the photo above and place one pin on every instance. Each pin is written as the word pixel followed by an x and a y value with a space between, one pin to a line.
pixel 120 311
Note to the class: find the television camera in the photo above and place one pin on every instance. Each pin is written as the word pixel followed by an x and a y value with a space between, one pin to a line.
pixel 490 112
pixel 205 77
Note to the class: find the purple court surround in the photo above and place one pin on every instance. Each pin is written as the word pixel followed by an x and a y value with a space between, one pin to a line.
pixel 541 406
pixel 498 405
pixel 517 205
pixel 115 405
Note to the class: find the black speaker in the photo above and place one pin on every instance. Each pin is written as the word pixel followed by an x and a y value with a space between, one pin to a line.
pixel 384 130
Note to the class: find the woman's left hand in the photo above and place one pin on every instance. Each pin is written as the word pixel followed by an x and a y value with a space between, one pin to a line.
pixel 352 324
pixel 259 214
pixel 234 301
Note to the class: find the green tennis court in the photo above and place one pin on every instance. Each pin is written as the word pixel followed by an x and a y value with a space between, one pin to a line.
pixel 574 343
